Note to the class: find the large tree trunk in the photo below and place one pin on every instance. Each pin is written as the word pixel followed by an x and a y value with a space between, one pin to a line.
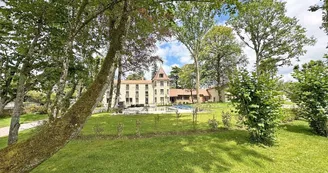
pixel 24 156
pixel 119 78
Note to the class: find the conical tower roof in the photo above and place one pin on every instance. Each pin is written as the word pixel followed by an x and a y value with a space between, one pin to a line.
pixel 161 75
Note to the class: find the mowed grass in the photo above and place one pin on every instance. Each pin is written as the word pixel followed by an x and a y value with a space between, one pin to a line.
pixel 26 118
pixel 166 148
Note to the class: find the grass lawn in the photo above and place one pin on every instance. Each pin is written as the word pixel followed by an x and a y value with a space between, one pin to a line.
pixel 26 118
pixel 172 146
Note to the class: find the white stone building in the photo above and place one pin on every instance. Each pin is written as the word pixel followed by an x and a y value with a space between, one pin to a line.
pixel 143 92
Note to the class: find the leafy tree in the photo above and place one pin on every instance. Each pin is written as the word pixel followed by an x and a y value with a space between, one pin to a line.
pixel 154 70
pixel 264 27
pixel 174 76
pixel 53 137
pixel 275 38
pixel 220 56
pixel 256 98
pixel 311 93
pixel 193 21
pixel 187 78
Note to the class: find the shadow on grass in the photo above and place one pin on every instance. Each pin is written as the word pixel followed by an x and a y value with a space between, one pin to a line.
pixel 298 127
pixel 208 152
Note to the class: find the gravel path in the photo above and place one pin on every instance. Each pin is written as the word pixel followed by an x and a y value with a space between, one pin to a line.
pixel 4 131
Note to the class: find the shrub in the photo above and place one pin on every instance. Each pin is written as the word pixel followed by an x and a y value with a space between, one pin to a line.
pixel 98 129
pixel 213 123
pixel 257 99
pixel 35 109
pixel 226 119
pixel 311 92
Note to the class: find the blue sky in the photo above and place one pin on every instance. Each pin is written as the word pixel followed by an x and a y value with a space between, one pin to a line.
pixel 175 53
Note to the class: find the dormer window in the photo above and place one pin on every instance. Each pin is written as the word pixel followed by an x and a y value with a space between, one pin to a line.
pixel 161 75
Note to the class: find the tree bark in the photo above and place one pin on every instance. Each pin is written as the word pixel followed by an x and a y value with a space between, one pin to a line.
pixel 14 123
pixel 20 93
pixel 24 156
pixel 197 77
pixel 118 85
pixel 56 110
pixel 2 107
pixel 111 87
pixel 66 101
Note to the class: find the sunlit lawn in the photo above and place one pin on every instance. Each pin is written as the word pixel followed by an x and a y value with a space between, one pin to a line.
pixel 168 148
pixel 26 118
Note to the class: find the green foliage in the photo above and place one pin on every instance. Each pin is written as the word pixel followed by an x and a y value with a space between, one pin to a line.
pixel 226 119
pixel 187 76
pixel 35 109
pixel 256 98
pixel 264 27
pixel 220 55
pixel 312 94
pixel 174 76
pixel 213 123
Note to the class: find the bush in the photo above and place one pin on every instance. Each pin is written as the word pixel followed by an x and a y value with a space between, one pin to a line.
pixel 213 123
pixel 226 119
pixel 35 109
pixel 311 92
pixel 257 99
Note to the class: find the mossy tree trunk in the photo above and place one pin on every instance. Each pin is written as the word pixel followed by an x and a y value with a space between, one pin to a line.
pixel 24 156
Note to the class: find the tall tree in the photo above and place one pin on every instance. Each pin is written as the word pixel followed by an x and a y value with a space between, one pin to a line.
pixel 30 153
pixel 220 56
pixel 265 28
pixel 193 21
pixel 174 77
pixel 187 78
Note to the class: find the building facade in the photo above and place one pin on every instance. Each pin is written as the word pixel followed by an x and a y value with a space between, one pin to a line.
pixel 142 92
pixel 157 92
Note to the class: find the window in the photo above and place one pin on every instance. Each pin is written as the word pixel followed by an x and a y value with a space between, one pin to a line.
pixel 131 100
pixel 155 92
pixel 161 75
pixel 155 83
pixel 146 100
pixel 137 93
pixel 127 86
pixel 137 87
pixel 168 92
pixel 127 100
pixel 146 86
pixel 146 93
pixel 137 100
pixel 107 100
pixel 127 94
pixel 155 99
pixel 186 97
pixel 162 83
pixel 162 91
pixel 162 99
